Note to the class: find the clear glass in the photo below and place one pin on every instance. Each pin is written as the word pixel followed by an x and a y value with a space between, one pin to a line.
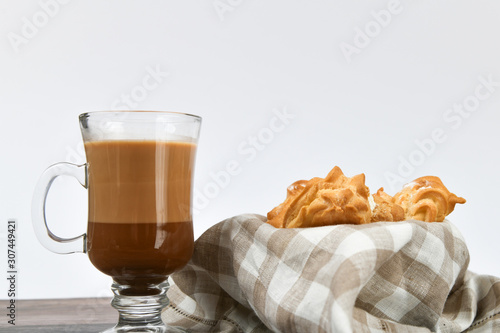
pixel 139 176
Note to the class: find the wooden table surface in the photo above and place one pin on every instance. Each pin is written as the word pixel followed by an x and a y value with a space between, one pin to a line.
pixel 83 315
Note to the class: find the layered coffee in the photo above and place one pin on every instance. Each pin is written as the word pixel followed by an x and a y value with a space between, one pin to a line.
pixel 140 226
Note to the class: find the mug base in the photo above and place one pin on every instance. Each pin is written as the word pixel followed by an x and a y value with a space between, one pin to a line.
pixel 141 314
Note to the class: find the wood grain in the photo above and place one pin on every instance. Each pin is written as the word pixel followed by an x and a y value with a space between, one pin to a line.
pixel 62 315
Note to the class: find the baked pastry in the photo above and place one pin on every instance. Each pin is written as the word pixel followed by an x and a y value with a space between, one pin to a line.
pixel 385 209
pixel 335 199
pixel 427 199
pixel 292 191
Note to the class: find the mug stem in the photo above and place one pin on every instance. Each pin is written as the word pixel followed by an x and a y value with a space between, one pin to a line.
pixel 140 313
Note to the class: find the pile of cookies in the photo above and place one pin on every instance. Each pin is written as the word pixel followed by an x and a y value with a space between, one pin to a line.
pixel 337 199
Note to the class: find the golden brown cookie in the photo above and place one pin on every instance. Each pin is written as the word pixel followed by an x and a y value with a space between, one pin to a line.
pixel 335 199
pixel 427 199
pixel 385 208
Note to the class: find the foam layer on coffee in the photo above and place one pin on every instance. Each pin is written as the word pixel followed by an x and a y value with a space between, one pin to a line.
pixel 140 181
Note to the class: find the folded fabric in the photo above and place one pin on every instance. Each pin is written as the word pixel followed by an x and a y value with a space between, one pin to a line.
pixel 410 276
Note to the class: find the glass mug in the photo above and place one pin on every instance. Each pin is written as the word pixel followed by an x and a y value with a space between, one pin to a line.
pixel 139 176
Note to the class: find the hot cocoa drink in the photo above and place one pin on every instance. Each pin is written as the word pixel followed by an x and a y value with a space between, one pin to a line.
pixel 140 226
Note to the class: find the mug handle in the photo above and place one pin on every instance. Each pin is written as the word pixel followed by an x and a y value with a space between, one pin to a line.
pixel 45 236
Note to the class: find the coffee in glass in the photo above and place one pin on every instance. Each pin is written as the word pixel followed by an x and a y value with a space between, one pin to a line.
pixel 139 176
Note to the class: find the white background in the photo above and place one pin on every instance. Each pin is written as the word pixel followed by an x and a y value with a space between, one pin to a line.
pixel 365 101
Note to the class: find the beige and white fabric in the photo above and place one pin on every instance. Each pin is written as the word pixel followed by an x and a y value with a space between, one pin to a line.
pixel 411 276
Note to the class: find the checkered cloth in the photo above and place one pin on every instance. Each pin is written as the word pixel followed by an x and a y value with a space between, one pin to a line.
pixel 247 276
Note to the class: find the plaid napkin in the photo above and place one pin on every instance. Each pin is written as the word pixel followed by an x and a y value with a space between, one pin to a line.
pixel 247 276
